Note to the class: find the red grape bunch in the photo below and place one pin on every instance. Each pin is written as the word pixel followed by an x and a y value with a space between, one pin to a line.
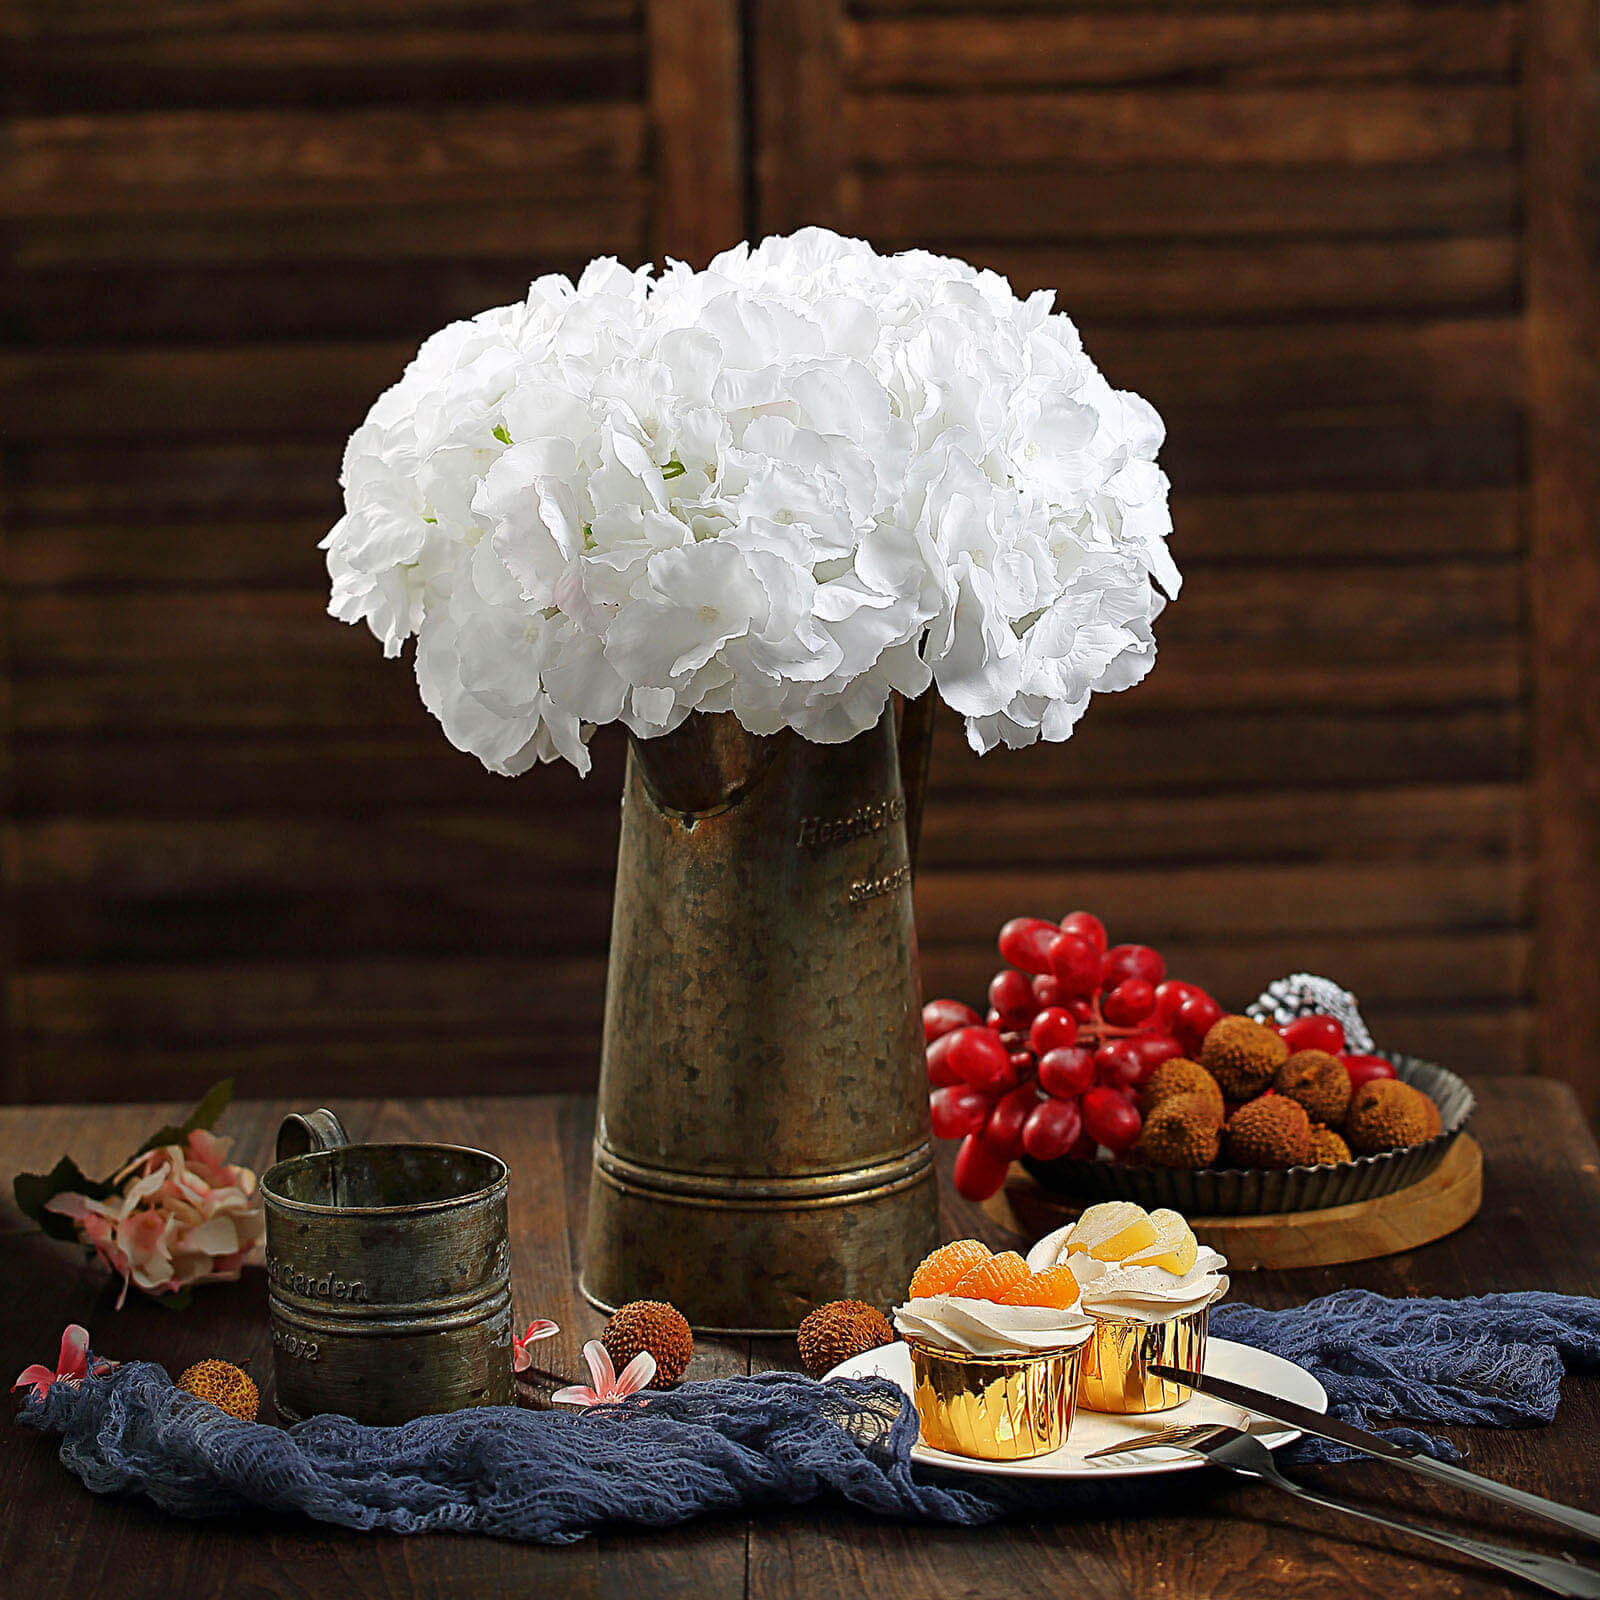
pixel 1072 1032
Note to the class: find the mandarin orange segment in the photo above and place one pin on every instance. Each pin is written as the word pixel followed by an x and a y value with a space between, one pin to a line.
pixel 1055 1287
pixel 990 1279
pixel 945 1268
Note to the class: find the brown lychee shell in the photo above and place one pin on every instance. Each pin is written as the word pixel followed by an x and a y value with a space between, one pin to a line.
pixel 1177 1076
pixel 227 1387
pixel 1327 1148
pixel 838 1330
pixel 1319 1082
pixel 1271 1131
pixel 1242 1056
pixel 1181 1133
pixel 1386 1114
pixel 651 1325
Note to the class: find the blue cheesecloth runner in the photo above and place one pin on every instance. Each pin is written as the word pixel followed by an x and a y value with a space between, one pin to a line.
pixel 660 1459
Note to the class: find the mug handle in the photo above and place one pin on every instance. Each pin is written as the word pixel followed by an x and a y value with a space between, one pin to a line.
pixel 301 1132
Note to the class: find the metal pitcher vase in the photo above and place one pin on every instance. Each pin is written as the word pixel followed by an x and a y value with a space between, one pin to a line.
pixel 762 1141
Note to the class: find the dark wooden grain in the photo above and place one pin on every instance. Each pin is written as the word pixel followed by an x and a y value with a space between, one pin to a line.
pixel 1228 47
pixel 1344 248
pixel 797 76
pixel 910 205
pixel 696 97
pixel 1199 1536
pixel 1563 262
pixel 1364 126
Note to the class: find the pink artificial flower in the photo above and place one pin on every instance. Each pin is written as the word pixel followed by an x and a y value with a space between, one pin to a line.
pixel 607 1386
pixel 72 1365
pixel 538 1329
pixel 182 1216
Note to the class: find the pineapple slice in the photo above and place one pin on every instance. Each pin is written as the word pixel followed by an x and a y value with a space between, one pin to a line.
pixel 1111 1231
pixel 1175 1246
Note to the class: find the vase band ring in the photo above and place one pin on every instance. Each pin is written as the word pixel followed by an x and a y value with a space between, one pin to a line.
pixel 764 1192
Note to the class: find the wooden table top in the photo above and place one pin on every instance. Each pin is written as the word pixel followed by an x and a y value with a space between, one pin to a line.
pixel 1201 1534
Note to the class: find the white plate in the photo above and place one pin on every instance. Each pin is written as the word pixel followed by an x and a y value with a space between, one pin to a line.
pixel 1091 1430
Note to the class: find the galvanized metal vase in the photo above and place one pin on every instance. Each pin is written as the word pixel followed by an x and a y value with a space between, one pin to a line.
pixel 762 1141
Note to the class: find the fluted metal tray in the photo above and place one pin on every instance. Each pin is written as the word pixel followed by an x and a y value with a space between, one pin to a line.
pixel 1241 1192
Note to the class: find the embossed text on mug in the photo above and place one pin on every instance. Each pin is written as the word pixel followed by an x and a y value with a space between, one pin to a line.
pixel 327 1287
pixel 817 832
pixel 886 883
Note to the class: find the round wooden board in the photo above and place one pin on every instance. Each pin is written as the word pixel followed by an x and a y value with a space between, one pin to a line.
pixel 1447 1199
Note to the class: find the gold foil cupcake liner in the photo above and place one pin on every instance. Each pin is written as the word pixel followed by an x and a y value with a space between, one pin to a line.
pixel 1116 1374
pixel 995 1408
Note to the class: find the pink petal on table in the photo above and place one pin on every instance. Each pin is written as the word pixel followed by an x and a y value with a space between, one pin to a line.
pixel 73 1361
pixel 40 1377
pixel 576 1395
pixel 635 1376
pixel 600 1368
pixel 539 1328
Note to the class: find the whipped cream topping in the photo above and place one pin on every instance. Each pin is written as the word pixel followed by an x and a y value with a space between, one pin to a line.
pixel 982 1328
pixel 1133 1288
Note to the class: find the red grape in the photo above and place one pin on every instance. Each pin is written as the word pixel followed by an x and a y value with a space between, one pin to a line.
pixel 979 1171
pixel 1110 1119
pixel 1085 1148
pixel 1082 1011
pixel 1066 1073
pixel 1053 1029
pixel 1171 994
pixel 1363 1069
pixel 1003 1131
pixel 1194 1019
pixel 1046 991
pixel 1025 942
pixel 940 1073
pixel 1052 1128
pixel 978 1058
pixel 1314 1033
pixel 940 1017
pixel 1129 1003
pixel 958 1111
pixel 1152 1050
pixel 1011 995
pixel 1117 1064
pixel 1076 964
pixel 993 1019
pixel 1131 961
pixel 1023 1063
pixel 1087 926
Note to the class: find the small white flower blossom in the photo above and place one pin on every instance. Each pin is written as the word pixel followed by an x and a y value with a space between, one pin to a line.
pixel 789 486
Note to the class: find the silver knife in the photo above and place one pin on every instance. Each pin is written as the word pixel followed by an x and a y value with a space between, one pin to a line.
pixel 1325 1427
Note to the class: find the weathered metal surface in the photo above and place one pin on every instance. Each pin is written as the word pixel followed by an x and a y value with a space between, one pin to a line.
pixel 389 1281
pixel 762 1140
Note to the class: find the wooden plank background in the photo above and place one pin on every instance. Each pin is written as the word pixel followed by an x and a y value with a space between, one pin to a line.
pixel 1345 246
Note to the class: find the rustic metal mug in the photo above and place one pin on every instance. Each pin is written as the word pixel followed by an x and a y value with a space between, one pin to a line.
pixel 389 1276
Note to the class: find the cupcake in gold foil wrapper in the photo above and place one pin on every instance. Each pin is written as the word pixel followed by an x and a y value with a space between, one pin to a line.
pixel 995 1352
pixel 995 1408
pixel 1147 1285
pixel 1116 1376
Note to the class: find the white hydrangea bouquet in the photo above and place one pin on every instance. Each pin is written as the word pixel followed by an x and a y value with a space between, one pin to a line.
pixel 785 487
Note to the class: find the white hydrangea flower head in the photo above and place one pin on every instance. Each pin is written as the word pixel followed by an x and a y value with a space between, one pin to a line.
pixel 789 487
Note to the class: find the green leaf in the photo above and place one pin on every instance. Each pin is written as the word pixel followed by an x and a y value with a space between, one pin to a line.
pixel 204 1115
pixel 501 433
pixel 33 1189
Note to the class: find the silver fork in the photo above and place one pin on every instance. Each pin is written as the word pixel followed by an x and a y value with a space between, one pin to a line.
pixel 1236 1451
